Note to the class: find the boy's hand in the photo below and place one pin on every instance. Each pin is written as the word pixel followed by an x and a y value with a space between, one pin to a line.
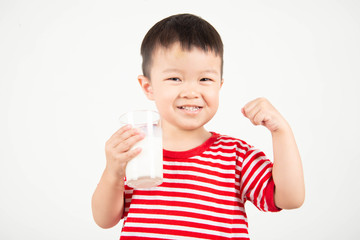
pixel 118 152
pixel 261 112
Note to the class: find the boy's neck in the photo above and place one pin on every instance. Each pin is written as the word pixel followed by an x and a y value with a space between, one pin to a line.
pixel 182 140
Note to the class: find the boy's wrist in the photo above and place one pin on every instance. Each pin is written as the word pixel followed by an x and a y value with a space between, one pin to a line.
pixel 284 128
pixel 113 179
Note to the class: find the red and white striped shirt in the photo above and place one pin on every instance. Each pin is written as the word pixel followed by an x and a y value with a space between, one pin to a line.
pixel 203 193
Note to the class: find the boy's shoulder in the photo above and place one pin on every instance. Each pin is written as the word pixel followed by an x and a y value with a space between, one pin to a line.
pixel 223 139
pixel 232 146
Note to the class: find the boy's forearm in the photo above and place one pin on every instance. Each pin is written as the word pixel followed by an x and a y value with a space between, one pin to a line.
pixel 287 170
pixel 108 201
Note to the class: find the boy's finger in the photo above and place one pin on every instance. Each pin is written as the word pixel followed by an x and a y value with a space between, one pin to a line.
pixel 131 154
pixel 127 144
pixel 121 135
pixel 121 131
pixel 259 118
pixel 253 114
pixel 248 108
pixel 251 110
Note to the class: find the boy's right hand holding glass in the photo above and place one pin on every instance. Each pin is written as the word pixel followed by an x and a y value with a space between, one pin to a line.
pixel 118 150
pixel 108 198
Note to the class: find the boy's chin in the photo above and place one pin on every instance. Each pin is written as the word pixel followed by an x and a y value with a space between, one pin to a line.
pixel 192 126
pixel 184 124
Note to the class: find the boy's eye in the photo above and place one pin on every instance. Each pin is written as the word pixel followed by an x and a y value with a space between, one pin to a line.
pixel 174 79
pixel 205 79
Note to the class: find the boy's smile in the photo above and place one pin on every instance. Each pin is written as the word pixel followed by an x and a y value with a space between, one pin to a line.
pixel 185 86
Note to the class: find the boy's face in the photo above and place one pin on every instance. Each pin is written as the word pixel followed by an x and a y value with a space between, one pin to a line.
pixel 185 86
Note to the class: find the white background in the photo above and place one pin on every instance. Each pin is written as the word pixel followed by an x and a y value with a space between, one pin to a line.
pixel 68 69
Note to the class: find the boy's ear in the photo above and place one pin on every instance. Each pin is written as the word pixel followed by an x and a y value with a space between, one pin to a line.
pixel 222 81
pixel 146 86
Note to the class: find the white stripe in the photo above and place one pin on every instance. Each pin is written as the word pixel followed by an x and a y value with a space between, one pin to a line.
pixel 158 235
pixel 252 177
pixel 261 195
pixel 233 147
pixel 238 168
pixel 129 191
pixel 188 219
pixel 199 174
pixel 185 228
pixel 266 208
pixel 201 166
pixel 234 141
pixel 193 191
pixel 252 164
pixel 224 140
pixel 219 153
pixel 249 158
pixel 223 147
pixel 190 200
pixel 202 184
pixel 216 161
pixel 262 187
pixel 185 209
pixel 172 237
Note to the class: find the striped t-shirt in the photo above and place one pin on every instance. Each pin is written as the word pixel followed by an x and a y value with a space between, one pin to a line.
pixel 203 193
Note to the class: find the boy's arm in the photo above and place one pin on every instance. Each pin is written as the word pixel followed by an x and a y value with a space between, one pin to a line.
pixel 287 170
pixel 108 199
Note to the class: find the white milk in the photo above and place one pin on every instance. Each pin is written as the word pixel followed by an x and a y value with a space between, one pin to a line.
pixel 146 169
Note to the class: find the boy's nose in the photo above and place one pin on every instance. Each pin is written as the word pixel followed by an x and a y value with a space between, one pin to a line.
pixel 189 92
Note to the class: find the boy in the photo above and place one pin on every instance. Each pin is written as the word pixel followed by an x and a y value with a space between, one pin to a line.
pixel 207 176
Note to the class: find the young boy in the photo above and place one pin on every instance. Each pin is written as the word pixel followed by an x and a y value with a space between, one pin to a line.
pixel 207 176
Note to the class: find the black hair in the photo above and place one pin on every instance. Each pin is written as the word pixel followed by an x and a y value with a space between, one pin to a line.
pixel 188 29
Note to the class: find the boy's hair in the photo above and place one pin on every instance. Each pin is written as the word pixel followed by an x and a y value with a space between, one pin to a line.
pixel 188 29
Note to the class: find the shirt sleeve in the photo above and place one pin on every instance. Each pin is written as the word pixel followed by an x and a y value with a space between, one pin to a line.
pixel 256 182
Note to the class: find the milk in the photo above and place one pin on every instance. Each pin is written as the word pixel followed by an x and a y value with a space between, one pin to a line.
pixel 146 169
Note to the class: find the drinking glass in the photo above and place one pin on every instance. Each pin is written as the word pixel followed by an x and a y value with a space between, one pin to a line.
pixel 146 169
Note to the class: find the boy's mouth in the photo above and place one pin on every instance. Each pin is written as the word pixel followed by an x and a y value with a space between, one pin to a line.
pixel 190 108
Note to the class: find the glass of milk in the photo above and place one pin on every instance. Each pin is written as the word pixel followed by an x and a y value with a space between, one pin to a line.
pixel 146 169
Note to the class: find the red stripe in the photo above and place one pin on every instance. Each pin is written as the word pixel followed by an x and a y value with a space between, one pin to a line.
pixel 256 157
pixel 214 172
pixel 236 219
pixel 173 222
pixel 187 205
pixel 257 177
pixel 176 233
pixel 204 162
pixel 264 180
pixel 190 196
pixel 218 156
pixel 140 238
pixel 198 188
pixel 199 179
pixel 238 144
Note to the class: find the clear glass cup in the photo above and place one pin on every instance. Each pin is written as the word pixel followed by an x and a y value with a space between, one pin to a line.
pixel 146 169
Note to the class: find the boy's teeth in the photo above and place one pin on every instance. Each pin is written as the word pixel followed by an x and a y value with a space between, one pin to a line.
pixel 190 108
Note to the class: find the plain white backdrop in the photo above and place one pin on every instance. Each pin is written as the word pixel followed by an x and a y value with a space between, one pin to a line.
pixel 68 69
